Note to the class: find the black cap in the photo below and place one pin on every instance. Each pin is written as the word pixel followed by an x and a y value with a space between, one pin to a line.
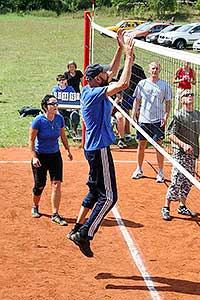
pixel 95 69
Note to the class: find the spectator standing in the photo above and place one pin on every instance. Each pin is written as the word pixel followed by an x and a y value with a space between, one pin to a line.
pixel 151 94
pixel 183 130
pixel 96 112
pixel 184 77
pixel 118 120
pixel 74 76
pixel 137 74
pixel 44 133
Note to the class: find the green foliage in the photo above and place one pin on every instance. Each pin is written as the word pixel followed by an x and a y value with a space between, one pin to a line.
pixel 161 7
pixel 197 5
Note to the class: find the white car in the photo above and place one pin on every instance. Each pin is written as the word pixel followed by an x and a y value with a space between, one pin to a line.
pixel 196 45
pixel 183 37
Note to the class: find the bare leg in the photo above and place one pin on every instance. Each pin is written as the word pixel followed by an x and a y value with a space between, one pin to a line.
pixel 182 201
pixel 82 215
pixel 160 158
pixel 36 200
pixel 55 196
pixel 140 152
pixel 75 128
pixel 127 125
pixel 120 124
pixel 167 203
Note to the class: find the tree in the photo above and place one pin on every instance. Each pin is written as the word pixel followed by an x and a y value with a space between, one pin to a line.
pixel 162 6
pixel 197 5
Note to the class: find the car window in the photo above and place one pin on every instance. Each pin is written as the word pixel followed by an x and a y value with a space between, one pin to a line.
pixel 124 24
pixel 168 28
pixel 156 28
pixel 184 28
pixel 195 29
pixel 144 26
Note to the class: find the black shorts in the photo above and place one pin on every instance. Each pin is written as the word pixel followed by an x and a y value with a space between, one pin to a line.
pixel 154 130
pixel 72 115
pixel 49 162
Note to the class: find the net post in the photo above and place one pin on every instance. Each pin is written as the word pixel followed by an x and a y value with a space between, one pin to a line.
pixel 86 57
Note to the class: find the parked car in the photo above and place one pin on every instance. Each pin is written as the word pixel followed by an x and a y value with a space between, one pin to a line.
pixel 141 31
pixel 183 37
pixel 196 45
pixel 125 24
pixel 153 37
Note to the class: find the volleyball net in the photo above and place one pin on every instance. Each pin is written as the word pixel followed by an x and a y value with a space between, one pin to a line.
pixel 103 47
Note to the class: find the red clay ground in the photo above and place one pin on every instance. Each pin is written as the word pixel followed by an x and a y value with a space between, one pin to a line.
pixel 38 262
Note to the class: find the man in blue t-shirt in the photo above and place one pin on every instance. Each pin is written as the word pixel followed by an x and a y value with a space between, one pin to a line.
pixel 96 112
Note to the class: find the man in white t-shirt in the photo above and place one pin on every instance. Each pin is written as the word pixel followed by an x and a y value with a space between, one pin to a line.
pixel 153 99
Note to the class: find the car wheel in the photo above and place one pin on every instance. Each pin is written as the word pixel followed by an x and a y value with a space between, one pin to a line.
pixel 180 44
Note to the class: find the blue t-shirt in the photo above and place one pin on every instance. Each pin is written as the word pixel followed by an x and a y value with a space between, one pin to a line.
pixel 48 133
pixel 96 112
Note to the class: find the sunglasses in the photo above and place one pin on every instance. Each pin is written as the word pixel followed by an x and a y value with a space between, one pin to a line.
pixel 62 79
pixel 187 95
pixel 53 103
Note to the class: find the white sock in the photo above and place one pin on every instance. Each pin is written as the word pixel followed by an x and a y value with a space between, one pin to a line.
pixel 160 171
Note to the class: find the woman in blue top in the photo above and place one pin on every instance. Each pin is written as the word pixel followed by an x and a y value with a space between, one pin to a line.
pixel 43 142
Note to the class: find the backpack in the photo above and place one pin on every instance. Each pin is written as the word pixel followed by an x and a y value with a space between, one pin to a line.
pixel 29 111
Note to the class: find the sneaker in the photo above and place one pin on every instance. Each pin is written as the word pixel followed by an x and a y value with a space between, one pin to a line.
pixel 160 178
pixel 69 235
pixel 121 144
pixel 84 245
pixel 137 174
pixel 57 219
pixel 34 212
pixel 183 210
pixel 165 213
pixel 128 138
pixel 77 137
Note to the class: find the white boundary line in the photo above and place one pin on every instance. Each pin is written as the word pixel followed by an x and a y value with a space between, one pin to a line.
pixel 79 161
pixel 127 237
pixel 135 255
pixel 166 162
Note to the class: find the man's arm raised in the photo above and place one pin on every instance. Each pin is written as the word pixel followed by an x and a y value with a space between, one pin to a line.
pixel 124 80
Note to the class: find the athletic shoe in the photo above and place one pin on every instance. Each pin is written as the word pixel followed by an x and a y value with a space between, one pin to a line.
pixel 121 144
pixel 183 210
pixel 160 177
pixel 128 138
pixel 57 219
pixel 77 137
pixel 137 174
pixel 34 212
pixel 165 213
pixel 84 245
pixel 69 235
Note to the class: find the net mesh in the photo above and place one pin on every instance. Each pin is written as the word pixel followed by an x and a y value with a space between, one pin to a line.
pixel 103 49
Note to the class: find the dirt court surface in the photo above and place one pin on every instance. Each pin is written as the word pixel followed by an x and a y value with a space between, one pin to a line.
pixel 38 262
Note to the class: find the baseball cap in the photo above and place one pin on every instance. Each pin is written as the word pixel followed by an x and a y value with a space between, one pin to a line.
pixel 95 69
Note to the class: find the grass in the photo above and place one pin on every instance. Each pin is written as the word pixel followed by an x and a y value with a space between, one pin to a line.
pixel 34 49
pixel 33 52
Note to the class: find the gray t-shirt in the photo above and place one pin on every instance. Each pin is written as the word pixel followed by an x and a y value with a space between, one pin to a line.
pixel 153 97
pixel 185 126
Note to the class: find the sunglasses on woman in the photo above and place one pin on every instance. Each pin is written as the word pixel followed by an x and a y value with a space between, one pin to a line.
pixel 53 103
